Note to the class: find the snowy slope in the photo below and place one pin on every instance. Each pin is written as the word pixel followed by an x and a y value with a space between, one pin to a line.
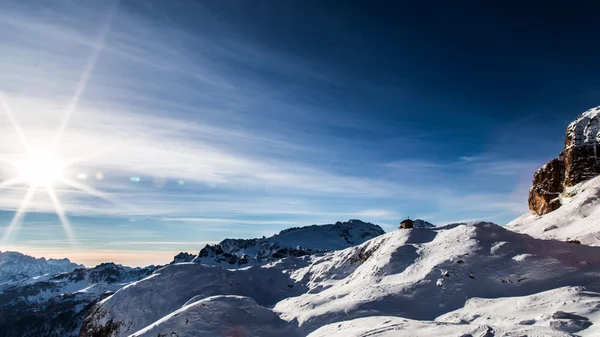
pixel 568 309
pixel 390 326
pixel 297 241
pixel 424 273
pixel 141 303
pixel 221 316
pixel 577 219
pixel 16 267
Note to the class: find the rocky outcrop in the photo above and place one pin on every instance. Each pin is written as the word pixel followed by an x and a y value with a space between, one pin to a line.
pixel 422 224
pixel 547 186
pixel 183 257
pixel 578 162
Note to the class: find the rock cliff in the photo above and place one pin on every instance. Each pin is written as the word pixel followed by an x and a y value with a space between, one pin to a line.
pixel 576 163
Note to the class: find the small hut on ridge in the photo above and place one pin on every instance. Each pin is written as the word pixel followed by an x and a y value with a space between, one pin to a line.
pixel 408 223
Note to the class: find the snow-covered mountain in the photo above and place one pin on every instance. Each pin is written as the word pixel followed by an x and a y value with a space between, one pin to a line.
pixel 173 287
pixel 577 163
pixel 352 279
pixel 16 267
pixel 422 224
pixel 55 305
pixel 42 297
pixel 296 241
pixel 425 273
pixel 565 195
pixel 422 277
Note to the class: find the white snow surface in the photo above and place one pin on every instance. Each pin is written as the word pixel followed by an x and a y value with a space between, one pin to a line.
pixel 422 277
pixel 424 273
pixel 568 309
pixel 390 326
pixel 577 219
pixel 221 316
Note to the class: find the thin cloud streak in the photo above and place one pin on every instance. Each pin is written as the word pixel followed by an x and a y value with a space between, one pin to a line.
pixel 164 106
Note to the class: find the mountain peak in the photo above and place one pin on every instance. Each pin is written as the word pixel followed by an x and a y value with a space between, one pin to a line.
pixel 577 162
pixel 295 241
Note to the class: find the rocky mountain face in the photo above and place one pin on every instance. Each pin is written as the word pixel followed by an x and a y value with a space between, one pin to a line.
pixel 576 163
pixel 183 257
pixel 56 304
pixel 575 221
pixel 15 267
pixel 291 242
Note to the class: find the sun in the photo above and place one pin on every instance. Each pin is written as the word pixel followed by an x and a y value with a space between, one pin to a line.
pixel 38 169
pixel 41 169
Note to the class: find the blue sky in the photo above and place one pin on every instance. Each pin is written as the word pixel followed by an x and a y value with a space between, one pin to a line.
pixel 244 118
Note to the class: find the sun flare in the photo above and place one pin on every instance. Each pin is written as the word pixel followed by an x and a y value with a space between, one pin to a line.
pixel 41 169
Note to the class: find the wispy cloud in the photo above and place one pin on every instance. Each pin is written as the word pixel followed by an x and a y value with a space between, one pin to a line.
pixel 221 133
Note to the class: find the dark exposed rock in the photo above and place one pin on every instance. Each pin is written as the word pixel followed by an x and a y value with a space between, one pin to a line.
pixel 578 162
pixel 211 250
pixel 183 257
pixel 289 252
pixel 547 186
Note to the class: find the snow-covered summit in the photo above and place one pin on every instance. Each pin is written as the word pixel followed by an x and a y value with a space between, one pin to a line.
pixel 295 241
pixel 16 267
pixel 585 129
pixel 422 224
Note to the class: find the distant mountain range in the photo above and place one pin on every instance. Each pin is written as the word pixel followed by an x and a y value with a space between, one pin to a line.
pixel 15 267
pixel 40 297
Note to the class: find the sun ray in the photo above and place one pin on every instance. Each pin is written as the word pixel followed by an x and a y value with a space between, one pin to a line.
pixel 88 190
pixel 13 121
pixel 10 162
pixel 40 175
pixel 61 214
pixel 87 157
pixel 20 213
pixel 85 77
pixel 11 182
